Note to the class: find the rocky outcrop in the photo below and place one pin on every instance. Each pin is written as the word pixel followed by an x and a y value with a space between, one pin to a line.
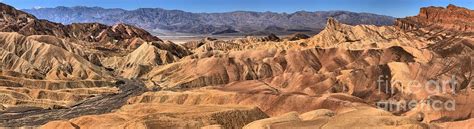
pixel 144 58
pixel 96 32
pixel 191 45
pixel 140 61
pixel 176 49
pixel 273 37
pixel 45 66
pixel 450 28
pixel 451 18
pixel 26 55
pixel 363 37
pixel 18 21
pixel 213 68
pixel 346 72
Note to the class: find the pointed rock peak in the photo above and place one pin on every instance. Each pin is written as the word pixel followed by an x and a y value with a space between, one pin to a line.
pixel 332 23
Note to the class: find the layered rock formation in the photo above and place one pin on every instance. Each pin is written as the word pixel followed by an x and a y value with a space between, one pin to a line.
pixel 18 21
pixel 265 98
pixel 340 78
pixel 47 61
pixel 166 116
pixel 144 58
pixel 361 117
pixel 364 36
pixel 51 71
pixel 95 32
pixel 451 18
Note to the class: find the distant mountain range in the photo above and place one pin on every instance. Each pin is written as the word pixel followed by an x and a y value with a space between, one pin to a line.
pixel 175 22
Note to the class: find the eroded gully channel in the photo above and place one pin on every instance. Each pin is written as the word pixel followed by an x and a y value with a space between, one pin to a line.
pixel 97 105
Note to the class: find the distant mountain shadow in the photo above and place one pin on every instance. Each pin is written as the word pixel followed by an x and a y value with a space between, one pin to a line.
pixel 161 21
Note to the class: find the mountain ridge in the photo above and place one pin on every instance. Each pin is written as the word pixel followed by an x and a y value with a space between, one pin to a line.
pixel 159 21
pixel 347 76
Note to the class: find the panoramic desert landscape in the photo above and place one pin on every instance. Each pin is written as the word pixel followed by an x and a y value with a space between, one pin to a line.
pixel 60 70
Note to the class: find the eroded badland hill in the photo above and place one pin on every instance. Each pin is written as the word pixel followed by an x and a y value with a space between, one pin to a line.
pixel 99 76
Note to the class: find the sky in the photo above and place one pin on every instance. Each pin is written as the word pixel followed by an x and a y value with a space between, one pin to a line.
pixel 396 8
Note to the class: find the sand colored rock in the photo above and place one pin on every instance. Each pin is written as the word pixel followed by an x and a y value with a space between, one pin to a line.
pixel 91 75
pixel 444 108
pixel 335 35
pixel 212 127
pixel 26 92
pixel 144 58
pixel 372 118
pixel 167 116
pixel 271 104
pixel 361 117
pixel 140 60
pixel 464 124
pixel 147 54
pixel 59 125
pixel 312 115
pixel 45 60
pixel 214 68
pixel 363 36
pixel 266 123
pixel 176 49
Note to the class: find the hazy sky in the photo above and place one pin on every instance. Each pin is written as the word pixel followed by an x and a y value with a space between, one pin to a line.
pixel 397 8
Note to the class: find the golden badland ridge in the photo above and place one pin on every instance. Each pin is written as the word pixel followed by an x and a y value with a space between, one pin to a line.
pixel 91 75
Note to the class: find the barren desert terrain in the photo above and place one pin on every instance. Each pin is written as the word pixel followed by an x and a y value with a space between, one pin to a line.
pixel 414 74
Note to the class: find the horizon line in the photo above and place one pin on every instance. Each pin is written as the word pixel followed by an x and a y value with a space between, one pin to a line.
pixel 211 12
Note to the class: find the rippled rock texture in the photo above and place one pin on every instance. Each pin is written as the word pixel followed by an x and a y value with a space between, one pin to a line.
pixel 122 77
